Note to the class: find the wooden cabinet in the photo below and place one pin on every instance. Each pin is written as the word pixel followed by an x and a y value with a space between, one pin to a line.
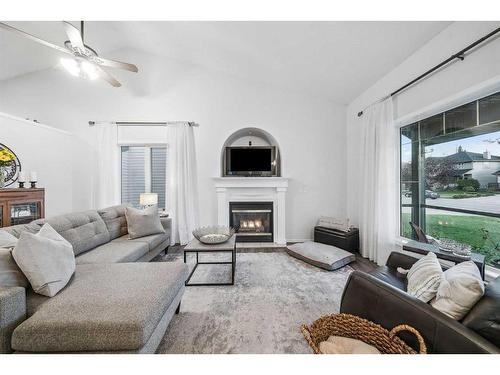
pixel 21 206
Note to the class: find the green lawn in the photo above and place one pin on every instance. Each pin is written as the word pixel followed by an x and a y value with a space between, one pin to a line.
pixel 465 229
pixel 451 193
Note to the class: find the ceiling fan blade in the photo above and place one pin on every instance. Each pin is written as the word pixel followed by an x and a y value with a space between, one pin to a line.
pixel 74 36
pixel 116 64
pixel 106 76
pixel 34 38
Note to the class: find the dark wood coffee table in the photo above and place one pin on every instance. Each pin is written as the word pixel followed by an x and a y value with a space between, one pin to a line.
pixel 197 247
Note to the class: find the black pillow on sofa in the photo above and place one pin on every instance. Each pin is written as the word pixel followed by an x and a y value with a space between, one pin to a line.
pixel 484 318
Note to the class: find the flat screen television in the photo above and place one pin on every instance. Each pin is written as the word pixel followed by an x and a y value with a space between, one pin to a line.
pixel 251 161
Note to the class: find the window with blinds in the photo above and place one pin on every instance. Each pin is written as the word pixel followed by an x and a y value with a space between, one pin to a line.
pixel 143 170
pixel 159 174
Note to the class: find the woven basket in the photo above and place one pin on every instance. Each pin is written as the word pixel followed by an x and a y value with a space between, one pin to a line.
pixel 354 327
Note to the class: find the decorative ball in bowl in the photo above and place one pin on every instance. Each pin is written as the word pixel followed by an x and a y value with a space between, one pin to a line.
pixel 214 234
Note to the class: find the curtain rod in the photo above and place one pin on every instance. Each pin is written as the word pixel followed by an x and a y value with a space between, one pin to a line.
pixel 150 123
pixel 459 55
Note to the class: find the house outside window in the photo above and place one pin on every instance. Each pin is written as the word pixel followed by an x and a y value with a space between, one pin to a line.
pixel 143 170
pixel 450 176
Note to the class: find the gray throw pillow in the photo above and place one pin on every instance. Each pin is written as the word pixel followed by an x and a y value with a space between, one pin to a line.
pixel 46 259
pixel 10 274
pixel 7 240
pixel 142 223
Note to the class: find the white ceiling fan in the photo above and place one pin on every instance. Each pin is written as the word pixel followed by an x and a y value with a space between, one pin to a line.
pixel 84 61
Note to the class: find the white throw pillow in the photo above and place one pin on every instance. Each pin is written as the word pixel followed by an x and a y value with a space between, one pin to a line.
pixel 7 240
pixel 142 223
pixel 46 259
pixel 424 278
pixel 10 274
pixel 460 289
pixel 334 223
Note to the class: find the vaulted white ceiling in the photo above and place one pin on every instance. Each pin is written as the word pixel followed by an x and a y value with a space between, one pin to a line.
pixel 337 60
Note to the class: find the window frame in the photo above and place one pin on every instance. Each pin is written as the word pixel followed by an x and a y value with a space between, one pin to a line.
pixel 490 271
pixel 141 144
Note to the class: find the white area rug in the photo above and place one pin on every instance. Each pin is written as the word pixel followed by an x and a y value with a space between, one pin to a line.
pixel 273 295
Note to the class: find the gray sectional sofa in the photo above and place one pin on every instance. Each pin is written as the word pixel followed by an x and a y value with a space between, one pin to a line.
pixel 115 302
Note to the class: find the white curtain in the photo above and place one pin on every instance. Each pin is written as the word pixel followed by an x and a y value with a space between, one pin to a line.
pixel 182 193
pixel 378 200
pixel 106 167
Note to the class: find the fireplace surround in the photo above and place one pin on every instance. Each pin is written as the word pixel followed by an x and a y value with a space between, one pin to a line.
pixel 252 221
pixel 252 190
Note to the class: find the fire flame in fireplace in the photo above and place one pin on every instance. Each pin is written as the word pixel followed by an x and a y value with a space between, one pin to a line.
pixel 251 224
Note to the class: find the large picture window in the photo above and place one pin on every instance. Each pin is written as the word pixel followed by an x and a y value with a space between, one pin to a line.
pixel 143 170
pixel 450 176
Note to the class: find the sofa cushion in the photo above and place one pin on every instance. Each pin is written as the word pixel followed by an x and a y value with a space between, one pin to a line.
pixel 46 259
pixel 10 273
pixel 115 220
pixel 106 307
pixel 34 301
pixel 114 252
pixel 152 241
pixel 84 230
pixel 484 318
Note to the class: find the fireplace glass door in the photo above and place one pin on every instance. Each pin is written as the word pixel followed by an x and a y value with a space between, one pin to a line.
pixel 252 221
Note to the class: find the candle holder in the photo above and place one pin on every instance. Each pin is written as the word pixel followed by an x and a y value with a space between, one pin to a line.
pixel 21 184
pixel 33 184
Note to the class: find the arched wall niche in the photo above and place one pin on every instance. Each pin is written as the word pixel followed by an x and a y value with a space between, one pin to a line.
pixel 250 137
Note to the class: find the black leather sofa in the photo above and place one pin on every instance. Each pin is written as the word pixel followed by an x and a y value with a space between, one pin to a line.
pixel 380 296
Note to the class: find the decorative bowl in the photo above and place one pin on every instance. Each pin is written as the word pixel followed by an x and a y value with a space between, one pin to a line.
pixel 447 245
pixel 214 234
pixel 451 246
pixel 463 251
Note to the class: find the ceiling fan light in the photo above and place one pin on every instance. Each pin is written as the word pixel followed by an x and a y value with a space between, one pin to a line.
pixel 89 70
pixel 71 66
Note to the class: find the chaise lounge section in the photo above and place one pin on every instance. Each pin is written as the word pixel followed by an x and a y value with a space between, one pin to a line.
pixel 115 302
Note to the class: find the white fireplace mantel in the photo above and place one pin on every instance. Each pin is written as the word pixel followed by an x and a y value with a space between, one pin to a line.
pixel 253 189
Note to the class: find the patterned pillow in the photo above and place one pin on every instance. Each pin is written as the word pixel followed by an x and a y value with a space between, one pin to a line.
pixel 424 278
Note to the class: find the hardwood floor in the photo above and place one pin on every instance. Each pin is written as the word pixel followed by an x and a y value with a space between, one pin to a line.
pixel 361 264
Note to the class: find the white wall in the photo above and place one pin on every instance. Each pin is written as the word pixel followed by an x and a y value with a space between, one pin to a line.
pixel 47 151
pixel 478 74
pixel 310 130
